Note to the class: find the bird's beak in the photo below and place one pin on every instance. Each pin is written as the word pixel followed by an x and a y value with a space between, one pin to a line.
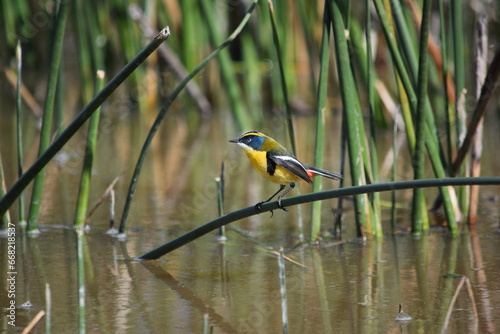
pixel 234 141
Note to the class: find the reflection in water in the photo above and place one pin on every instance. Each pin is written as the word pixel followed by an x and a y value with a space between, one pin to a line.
pixel 347 288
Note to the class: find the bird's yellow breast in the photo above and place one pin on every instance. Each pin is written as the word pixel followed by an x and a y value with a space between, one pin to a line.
pixel 259 162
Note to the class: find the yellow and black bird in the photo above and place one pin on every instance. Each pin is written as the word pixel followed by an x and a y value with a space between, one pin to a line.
pixel 277 164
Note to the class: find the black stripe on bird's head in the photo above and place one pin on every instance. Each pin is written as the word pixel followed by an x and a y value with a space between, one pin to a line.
pixel 251 139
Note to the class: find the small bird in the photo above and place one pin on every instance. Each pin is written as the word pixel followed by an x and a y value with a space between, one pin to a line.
pixel 277 164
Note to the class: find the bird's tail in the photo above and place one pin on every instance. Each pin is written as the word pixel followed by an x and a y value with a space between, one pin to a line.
pixel 313 171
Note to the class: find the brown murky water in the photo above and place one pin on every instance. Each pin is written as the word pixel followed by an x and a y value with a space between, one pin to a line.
pixel 341 286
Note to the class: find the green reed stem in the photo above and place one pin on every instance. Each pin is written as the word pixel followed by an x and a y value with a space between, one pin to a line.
pixel 407 107
pixel 459 74
pixel 307 198
pixel 90 149
pixel 164 109
pixel 450 119
pixel 371 102
pixel 288 109
pixel 226 67
pixel 48 110
pixel 82 29
pixel 19 128
pixel 14 192
pixel 337 225
pixel 406 40
pixel 430 132
pixel 363 61
pixel 458 58
pixel 418 225
pixel 190 32
pixel 320 120
pixel 307 28
pixel 393 175
pixel 351 112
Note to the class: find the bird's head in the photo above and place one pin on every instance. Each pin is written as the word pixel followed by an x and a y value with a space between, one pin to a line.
pixel 252 140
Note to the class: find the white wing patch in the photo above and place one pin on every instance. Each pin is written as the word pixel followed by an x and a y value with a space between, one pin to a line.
pixel 293 165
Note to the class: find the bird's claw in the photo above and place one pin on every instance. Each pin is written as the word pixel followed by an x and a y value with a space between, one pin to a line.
pixel 258 206
pixel 281 206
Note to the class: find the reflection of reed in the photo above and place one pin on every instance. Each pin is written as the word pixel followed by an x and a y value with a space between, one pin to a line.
pixel 484 300
pixel 188 295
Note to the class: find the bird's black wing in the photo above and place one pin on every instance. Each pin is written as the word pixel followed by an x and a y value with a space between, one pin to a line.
pixel 287 161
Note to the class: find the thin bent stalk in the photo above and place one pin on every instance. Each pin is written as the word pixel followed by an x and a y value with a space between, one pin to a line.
pixel 320 120
pixel 90 149
pixel 418 225
pixel 323 195
pixel 161 114
pixel 46 133
pixel 14 192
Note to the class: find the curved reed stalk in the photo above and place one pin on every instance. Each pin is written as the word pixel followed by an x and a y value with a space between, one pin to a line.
pixel 328 194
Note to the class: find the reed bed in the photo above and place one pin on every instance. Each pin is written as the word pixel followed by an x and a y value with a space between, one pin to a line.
pixel 327 57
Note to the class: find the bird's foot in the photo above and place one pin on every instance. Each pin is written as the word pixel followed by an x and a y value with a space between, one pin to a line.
pixel 258 207
pixel 281 205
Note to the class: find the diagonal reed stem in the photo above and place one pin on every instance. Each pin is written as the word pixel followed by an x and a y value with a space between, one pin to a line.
pixel 88 160
pixel 14 192
pixel 163 112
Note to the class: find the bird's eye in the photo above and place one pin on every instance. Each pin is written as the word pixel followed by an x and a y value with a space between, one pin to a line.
pixel 248 139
